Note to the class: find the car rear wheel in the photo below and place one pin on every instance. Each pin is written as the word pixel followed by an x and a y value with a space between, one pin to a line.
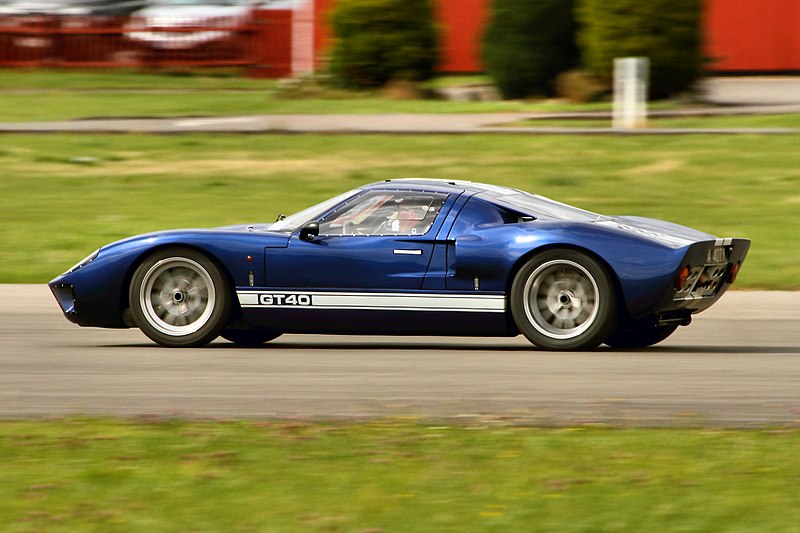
pixel 180 298
pixel 639 337
pixel 564 300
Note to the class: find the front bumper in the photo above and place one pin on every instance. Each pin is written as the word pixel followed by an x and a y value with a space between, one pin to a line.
pixel 88 304
pixel 65 296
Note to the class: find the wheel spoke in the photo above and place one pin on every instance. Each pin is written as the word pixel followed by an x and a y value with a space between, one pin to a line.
pixel 177 296
pixel 561 299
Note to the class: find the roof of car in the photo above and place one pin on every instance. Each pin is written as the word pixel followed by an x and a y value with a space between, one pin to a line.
pixel 441 185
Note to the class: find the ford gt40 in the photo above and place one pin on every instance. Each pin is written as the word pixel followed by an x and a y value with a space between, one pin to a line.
pixel 411 257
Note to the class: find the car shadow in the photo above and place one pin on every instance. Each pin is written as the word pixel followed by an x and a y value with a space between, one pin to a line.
pixel 754 350
pixel 677 350
pixel 458 347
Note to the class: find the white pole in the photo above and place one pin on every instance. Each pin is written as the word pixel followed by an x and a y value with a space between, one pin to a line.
pixel 630 92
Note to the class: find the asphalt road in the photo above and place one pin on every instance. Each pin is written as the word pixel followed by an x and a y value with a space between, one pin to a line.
pixel 396 123
pixel 737 365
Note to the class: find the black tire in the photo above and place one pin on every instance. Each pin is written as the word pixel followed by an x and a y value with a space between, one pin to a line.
pixel 563 299
pixel 639 337
pixel 180 298
pixel 249 337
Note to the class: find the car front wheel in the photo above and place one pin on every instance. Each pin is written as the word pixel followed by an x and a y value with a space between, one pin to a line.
pixel 563 299
pixel 180 298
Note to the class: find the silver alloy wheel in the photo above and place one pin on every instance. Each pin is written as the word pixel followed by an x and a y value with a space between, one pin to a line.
pixel 177 296
pixel 561 299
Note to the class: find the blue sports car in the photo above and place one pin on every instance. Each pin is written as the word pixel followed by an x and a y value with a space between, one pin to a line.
pixel 410 257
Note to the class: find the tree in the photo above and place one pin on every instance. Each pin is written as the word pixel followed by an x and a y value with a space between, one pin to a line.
pixel 528 43
pixel 666 31
pixel 380 40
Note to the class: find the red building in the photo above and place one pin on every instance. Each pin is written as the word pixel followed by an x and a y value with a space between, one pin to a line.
pixel 753 35
pixel 740 35
pixel 461 21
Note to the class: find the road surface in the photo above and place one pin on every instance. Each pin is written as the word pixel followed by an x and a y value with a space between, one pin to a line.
pixel 737 365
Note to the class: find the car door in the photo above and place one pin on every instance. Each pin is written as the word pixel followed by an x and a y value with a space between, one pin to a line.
pixel 380 240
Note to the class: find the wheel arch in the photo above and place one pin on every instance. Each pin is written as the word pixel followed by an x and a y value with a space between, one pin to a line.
pixel 523 259
pixel 124 298
pixel 603 314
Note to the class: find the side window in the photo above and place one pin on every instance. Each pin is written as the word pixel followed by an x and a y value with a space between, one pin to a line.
pixel 385 213
pixel 478 213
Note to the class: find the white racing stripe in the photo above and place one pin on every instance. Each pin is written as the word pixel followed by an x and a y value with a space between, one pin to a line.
pixel 483 303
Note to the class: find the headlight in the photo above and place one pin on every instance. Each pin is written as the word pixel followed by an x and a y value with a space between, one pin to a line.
pixel 88 259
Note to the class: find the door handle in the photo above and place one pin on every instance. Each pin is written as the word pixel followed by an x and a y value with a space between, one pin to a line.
pixel 407 252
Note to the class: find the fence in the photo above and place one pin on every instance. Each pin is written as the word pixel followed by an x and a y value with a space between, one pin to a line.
pixel 261 42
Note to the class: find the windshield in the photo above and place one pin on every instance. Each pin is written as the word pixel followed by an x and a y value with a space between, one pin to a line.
pixel 541 207
pixel 298 220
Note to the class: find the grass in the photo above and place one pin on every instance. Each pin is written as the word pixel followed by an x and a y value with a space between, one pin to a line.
pixel 36 95
pixel 65 195
pixel 391 475
pixel 66 105
pixel 121 79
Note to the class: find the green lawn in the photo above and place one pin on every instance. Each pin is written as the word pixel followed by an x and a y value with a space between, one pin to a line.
pixel 391 476
pixel 65 195
pixel 194 79
pixel 36 95
pixel 41 95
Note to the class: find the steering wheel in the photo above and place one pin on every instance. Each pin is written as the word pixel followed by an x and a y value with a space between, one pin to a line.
pixel 350 228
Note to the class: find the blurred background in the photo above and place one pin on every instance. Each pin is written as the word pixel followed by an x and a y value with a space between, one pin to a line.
pixel 720 75
pixel 551 47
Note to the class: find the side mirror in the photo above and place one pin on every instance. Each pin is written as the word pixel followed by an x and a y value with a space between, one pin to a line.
pixel 309 232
